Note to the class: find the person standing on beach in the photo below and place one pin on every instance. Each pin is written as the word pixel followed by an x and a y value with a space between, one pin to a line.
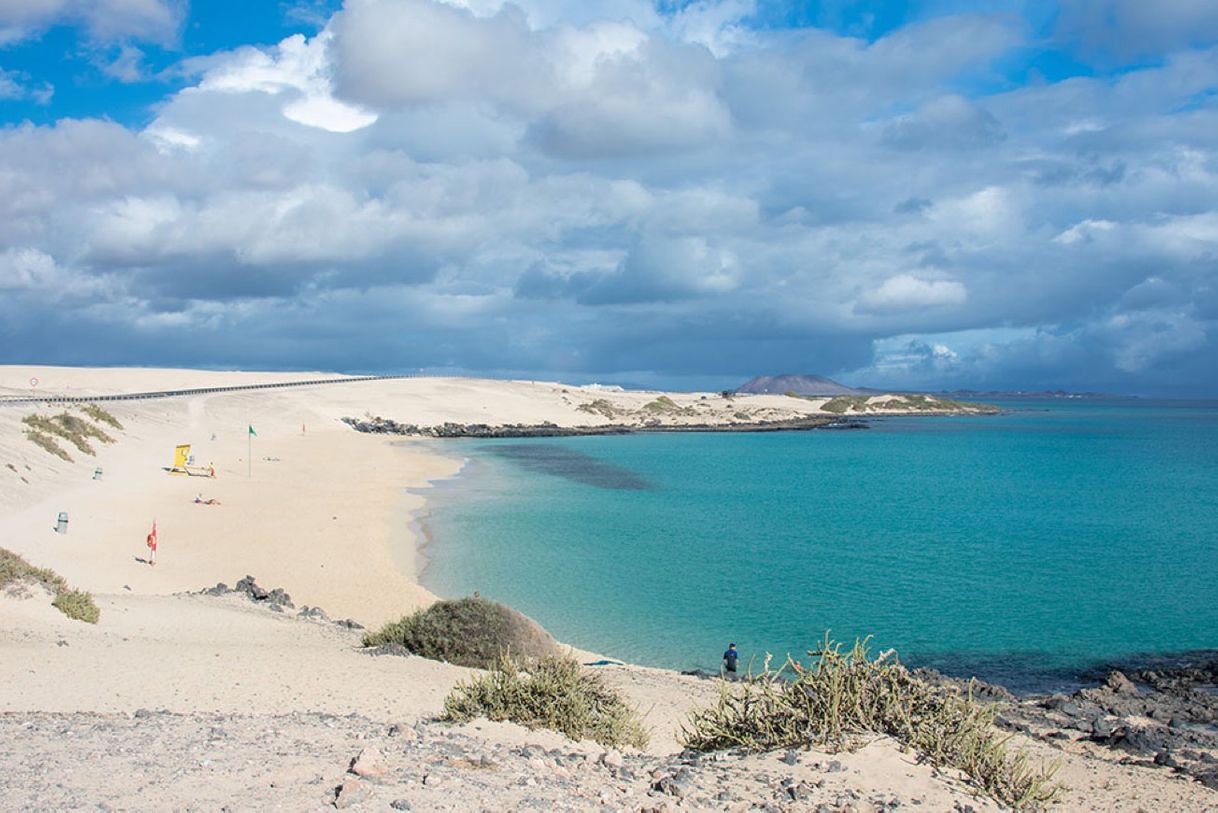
pixel 730 657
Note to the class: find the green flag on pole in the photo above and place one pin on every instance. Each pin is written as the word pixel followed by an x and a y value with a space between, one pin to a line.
pixel 249 461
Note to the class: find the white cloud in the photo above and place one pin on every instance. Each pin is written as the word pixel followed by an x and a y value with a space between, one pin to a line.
pixel 606 88
pixel 168 139
pixel 948 122
pixel 1084 231
pixel 1131 28
pixel 716 24
pixel 17 85
pixel 905 292
pixel 105 21
pixel 543 14
pixel 1144 339
pixel 23 268
pixel 127 66
pixel 298 67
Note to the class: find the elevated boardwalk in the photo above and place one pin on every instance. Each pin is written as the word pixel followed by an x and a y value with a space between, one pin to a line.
pixel 52 398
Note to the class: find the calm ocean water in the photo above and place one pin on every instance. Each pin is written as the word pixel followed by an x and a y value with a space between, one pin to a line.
pixel 1022 548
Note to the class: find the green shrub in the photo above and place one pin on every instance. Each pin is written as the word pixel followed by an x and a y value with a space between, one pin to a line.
pixel 844 403
pixel 550 692
pixel 468 632
pixel 75 604
pixel 601 406
pixel 841 697
pixel 100 415
pixel 47 443
pixel 81 428
pixel 662 404
pixel 13 568
pixel 69 427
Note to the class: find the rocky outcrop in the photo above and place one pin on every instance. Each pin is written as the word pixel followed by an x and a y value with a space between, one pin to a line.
pixel 388 426
pixel 1167 717
pixel 276 600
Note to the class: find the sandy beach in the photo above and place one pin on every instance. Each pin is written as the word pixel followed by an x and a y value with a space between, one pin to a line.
pixel 311 506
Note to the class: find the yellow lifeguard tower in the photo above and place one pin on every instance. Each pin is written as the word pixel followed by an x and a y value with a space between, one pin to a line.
pixel 182 460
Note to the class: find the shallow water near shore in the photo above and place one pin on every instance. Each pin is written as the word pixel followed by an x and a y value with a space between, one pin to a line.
pixel 1025 548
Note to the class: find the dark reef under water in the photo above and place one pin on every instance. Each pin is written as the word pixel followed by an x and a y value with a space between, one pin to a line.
pixel 559 461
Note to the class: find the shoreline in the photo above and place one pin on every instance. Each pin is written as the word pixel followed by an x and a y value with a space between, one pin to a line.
pixel 327 516
pixel 421 537
pixel 478 431
pixel 1044 676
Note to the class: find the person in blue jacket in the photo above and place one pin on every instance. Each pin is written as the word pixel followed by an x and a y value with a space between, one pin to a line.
pixel 730 657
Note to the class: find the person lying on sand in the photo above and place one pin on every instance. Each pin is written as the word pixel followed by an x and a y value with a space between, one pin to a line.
pixel 209 501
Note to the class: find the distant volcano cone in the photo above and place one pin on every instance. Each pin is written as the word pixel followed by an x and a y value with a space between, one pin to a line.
pixel 797 384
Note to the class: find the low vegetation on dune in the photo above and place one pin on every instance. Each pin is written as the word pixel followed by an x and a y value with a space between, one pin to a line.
pixel 47 444
pixel 528 681
pixel 100 415
pixel 927 403
pixel 841 698
pixel 666 406
pixel 75 604
pixel 468 632
pixel 46 431
pixel 551 692
pixel 910 402
pixel 845 403
pixel 602 406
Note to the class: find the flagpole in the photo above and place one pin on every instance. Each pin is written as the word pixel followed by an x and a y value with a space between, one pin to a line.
pixel 249 455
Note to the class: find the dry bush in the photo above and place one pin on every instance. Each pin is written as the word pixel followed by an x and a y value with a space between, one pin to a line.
pixel 100 415
pixel 69 427
pixel 602 406
pixel 47 443
pixel 468 632
pixel 663 404
pixel 551 692
pixel 75 604
pixel 839 698
pixel 844 403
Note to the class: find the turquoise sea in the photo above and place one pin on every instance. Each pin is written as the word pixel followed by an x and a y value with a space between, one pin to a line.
pixel 1024 548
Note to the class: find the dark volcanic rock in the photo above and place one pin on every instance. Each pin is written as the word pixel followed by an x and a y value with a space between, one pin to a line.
pixel 387 426
pixel 251 589
pixel 979 688
pixel 276 599
pixel 1167 715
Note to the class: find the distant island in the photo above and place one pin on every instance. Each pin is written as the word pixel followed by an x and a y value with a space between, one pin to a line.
pixel 1046 394
pixel 815 386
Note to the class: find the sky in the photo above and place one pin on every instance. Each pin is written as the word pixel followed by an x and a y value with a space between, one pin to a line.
pixel 932 194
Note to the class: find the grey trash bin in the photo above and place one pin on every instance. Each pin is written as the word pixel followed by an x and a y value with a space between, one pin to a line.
pixel 61 527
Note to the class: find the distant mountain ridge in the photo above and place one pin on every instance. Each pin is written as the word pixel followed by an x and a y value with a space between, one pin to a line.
pixel 798 384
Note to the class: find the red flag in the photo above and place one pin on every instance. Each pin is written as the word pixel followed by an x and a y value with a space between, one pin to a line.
pixel 152 536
